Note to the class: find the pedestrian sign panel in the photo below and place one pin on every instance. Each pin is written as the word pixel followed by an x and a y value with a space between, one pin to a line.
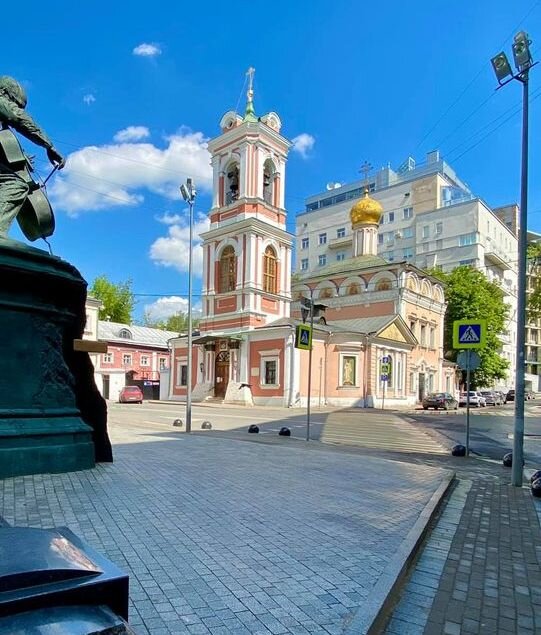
pixel 469 333
pixel 303 337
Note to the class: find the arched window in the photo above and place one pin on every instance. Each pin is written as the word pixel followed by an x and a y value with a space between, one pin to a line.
pixel 353 289
pixel 268 181
pixel 125 334
pixel 232 179
pixel 269 270
pixel 228 270
pixel 326 293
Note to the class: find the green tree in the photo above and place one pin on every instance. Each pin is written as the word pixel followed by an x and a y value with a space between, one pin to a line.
pixel 117 299
pixel 470 295
pixel 533 306
pixel 177 323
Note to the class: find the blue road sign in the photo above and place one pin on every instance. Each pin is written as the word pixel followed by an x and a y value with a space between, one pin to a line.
pixel 384 377
pixel 385 359
pixel 469 333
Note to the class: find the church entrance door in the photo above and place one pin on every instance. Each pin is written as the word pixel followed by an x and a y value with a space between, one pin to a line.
pixel 221 374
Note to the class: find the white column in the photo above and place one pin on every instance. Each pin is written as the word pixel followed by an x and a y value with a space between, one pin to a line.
pixel 215 162
pixel 282 170
pixel 244 170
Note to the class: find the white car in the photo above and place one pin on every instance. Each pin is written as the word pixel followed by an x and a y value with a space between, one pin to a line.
pixel 476 399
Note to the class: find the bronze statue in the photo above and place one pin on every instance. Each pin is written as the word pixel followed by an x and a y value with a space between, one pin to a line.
pixel 20 196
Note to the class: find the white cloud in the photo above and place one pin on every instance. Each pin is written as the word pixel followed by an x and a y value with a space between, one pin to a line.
pixel 132 133
pixel 89 99
pixel 170 219
pixel 147 50
pixel 102 177
pixel 173 250
pixel 303 143
pixel 167 306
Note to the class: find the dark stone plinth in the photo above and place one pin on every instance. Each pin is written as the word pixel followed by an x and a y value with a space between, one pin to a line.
pixel 53 567
pixel 44 384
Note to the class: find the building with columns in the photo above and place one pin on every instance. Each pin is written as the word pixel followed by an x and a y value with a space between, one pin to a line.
pixel 245 352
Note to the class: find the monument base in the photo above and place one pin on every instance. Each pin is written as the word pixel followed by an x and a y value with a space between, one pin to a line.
pixel 42 312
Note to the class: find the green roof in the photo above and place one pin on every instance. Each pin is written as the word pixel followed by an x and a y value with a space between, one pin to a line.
pixel 346 266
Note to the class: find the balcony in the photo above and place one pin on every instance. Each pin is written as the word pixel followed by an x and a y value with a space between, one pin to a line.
pixel 336 243
pixel 496 257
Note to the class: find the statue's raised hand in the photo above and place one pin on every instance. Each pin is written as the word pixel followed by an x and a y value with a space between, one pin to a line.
pixel 56 158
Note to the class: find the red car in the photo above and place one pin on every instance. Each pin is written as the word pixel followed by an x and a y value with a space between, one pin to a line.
pixel 130 394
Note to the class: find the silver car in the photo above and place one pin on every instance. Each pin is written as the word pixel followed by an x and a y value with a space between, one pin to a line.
pixel 492 398
pixel 476 399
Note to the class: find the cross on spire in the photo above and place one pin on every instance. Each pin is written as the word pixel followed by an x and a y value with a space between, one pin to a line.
pixel 365 169
pixel 249 115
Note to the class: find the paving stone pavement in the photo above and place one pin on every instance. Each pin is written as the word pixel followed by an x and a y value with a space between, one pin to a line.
pixel 480 570
pixel 228 537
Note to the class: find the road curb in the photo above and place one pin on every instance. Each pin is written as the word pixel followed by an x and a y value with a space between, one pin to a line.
pixel 371 617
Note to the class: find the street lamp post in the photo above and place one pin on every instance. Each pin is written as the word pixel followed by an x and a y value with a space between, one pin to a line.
pixel 504 74
pixel 189 193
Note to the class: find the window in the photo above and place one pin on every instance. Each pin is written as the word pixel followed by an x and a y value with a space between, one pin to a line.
pixel 432 336
pixel 353 289
pixel 407 232
pixel 269 270
pixel 126 359
pixel 305 243
pixel 228 270
pixel 341 256
pixel 468 262
pixel 390 256
pixel 145 360
pixel 467 239
pixel 439 228
pixel 269 371
pixel 426 230
pixel 423 335
pixel 383 285
pixel 322 260
pixel 341 233
pixel 322 239
pixel 439 243
pixel 304 264
pixel 408 212
pixel 348 371
pixel 125 334
pixel 389 237
pixel 380 239
pixel 268 182
pixel 182 374
pixel 391 217
pixel 408 253
pixel 232 183
pixel 413 326
pixel 425 247
pixel 162 363
pixel 108 358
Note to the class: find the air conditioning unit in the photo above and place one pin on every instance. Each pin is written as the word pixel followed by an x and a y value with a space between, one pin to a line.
pixel 398 234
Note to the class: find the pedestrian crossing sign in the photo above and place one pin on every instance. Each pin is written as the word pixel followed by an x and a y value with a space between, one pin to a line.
pixel 469 333
pixel 303 337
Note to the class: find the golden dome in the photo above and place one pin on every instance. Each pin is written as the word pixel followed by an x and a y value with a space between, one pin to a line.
pixel 367 211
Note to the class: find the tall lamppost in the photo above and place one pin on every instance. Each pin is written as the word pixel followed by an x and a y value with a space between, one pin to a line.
pixel 189 193
pixel 523 62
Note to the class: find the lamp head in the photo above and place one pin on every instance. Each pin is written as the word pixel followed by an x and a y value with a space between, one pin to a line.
pixel 184 193
pixel 521 51
pixel 501 66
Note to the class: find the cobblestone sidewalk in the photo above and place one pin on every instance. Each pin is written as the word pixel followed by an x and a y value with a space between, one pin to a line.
pixel 227 537
pixel 480 572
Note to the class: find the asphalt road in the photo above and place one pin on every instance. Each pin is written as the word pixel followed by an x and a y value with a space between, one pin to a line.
pixel 491 429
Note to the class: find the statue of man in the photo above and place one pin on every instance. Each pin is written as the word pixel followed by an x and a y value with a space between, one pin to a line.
pixel 13 189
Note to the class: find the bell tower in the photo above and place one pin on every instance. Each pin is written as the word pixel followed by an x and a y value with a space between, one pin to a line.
pixel 247 250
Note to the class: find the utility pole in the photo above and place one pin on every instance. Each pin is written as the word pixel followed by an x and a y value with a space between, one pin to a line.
pixel 504 74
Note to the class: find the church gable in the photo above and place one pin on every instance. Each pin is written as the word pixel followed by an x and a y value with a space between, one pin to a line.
pixel 397 331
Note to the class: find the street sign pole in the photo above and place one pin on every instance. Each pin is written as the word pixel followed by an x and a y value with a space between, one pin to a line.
pixel 310 365
pixel 468 362
pixel 383 400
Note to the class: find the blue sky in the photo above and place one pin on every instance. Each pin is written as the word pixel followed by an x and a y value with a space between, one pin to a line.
pixel 132 95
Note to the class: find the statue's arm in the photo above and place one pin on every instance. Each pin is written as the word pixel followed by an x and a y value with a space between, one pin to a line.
pixel 22 122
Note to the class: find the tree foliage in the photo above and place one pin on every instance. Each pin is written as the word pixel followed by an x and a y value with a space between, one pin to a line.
pixel 117 299
pixel 177 323
pixel 534 270
pixel 469 295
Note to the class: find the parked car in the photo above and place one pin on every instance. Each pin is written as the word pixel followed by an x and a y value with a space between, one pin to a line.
pixel 440 400
pixel 130 394
pixel 503 396
pixel 476 399
pixel 510 395
pixel 492 398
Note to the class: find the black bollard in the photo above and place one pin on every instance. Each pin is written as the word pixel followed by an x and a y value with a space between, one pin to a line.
pixel 284 432
pixel 535 476
pixel 206 425
pixel 253 429
pixel 536 488
pixel 508 459
pixel 458 450
pixel 178 423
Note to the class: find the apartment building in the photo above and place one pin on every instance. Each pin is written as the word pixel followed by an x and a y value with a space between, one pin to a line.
pixel 431 219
